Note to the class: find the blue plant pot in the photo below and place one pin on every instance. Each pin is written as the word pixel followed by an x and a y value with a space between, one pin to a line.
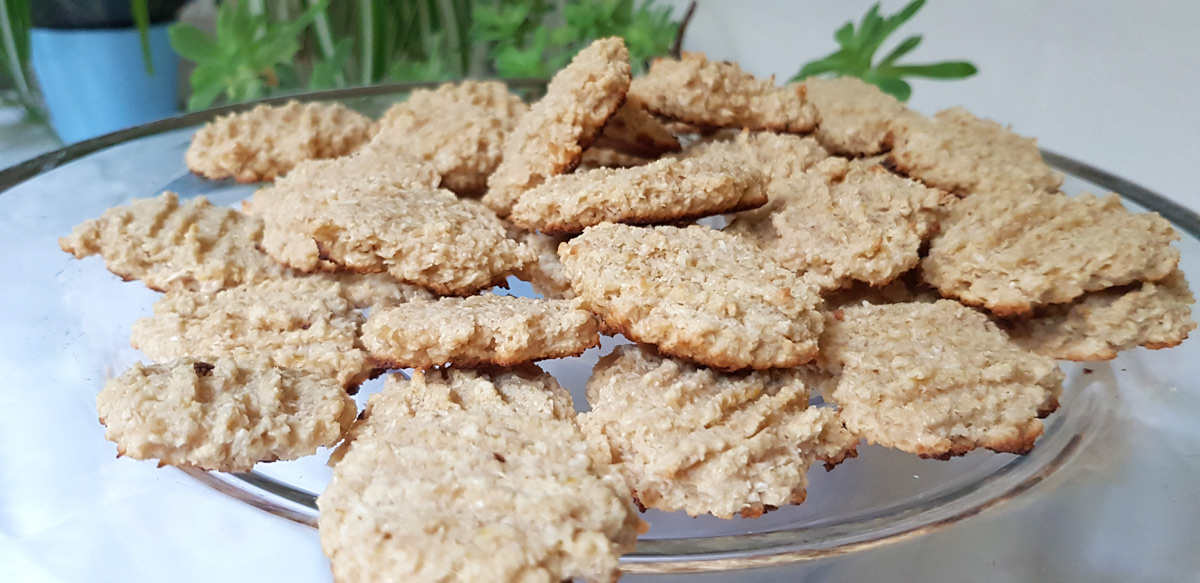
pixel 94 81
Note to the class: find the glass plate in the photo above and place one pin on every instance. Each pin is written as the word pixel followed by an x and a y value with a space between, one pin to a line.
pixel 1119 457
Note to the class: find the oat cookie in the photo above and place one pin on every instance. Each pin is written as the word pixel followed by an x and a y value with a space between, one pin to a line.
pixel 217 414
pixel 842 223
pixel 936 379
pixel 664 191
pixel 1099 324
pixel 546 275
pixel 301 323
pixel 853 117
pixel 1010 252
pixel 712 94
pixel 288 206
pixel 429 238
pixel 268 141
pixel 695 293
pixel 365 290
pixel 171 246
pixel 484 329
pixel 635 132
pixel 550 139
pixel 594 157
pixel 963 154
pixel 473 476
pixel 690 438
pixel 458 128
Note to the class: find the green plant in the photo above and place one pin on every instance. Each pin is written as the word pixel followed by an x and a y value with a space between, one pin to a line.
pixel 16 75
pixel 858 48
pixel 257 52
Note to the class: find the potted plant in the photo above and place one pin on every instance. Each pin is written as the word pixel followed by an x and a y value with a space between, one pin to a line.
pixel 103 65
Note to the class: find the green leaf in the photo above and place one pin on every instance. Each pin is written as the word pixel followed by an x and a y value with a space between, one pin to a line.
pixel 141 17
pixel 946 70
pixel 192 44
pixel 831 64
pixel 901 49
pixel 207 75
pixel 845 35
pixel 897 88
pixel 201 99
pixel 869 29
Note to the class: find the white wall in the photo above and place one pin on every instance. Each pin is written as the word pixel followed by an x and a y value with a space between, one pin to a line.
pixel 1111 83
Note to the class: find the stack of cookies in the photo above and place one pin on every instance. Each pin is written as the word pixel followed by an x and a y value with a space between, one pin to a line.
pixel 879 275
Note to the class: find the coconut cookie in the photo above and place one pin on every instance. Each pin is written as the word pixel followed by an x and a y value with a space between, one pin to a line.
pixel 288 206
pixel 546 275
pixel 693 439
pixel 485 329
pixel 429 238
pixel 192 246
pixel 471 476
pixel 217 414
pixel 695 293
pixel 936 379
pixel 719 94
pixel 594 157
pixel 843 222
pixel 1100 324
pixel 268 141
pixel 1010 252
pixel 853 117
pixel 637 133
pixel 459 129
pixel 551 138
pixel 664 191
pixel 963 154
pixel 301 323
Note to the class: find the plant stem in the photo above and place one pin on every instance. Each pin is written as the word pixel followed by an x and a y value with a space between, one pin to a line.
pixel 325 40
pixel 453 39
pixel 367 26
pixel 10 48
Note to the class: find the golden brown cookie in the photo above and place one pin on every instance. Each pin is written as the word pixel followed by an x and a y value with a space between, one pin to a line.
pixel 665 191
pixel 1013 251
pixel 484 329
pixel 1100 324
pixel 192 246
pixel 963 154
pixel 546 274
pixel 301 323
pixel 218 414
pixel 841 222
pixel 853 117
pixel 268 141
pixel 459 129
pixel 936 379
pixel 719 94
pixel 695 293
pixel 694 439
pixel 473 476
pixel 633 131
pixel 550 139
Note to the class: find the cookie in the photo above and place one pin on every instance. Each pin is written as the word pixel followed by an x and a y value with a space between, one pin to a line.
pixel 366 290
pixel 473 476
pixel 841 223
pixel 301 323
pixel 1013 251
pixel 217 414
pixel 459 129
pixel 484 329
pixel 546 274
pixel 551 138
pixel 853 117
pixel 694 439
pixel 635 132
pixel 936 379
pixel 594 157
pixel 268 141
pixel 290 205
pixel 963 154
pixel 193 246
pixel 695 293
pixel 719 94
pixel 1100 324
pixel 664 191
